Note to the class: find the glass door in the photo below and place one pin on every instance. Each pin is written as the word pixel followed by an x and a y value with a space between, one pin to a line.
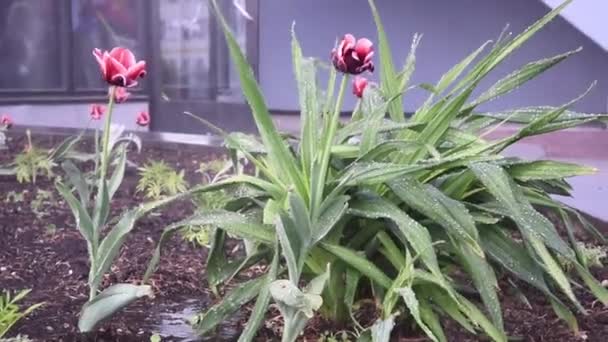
pixel 191 66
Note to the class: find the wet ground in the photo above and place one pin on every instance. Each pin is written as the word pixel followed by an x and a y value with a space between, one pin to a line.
pixel 179 282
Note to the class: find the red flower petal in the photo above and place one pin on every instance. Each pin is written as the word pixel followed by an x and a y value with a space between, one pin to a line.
pixel 137 70
pixel 123 56
pixel 363 47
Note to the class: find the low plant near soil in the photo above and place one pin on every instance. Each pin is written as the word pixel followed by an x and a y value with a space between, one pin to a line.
pixel 10 313
pixel 403 211
pixel 34 161
pixel 157 179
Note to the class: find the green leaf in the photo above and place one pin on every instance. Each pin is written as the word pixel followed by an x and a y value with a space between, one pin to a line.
pixel 83 220
pixel 409 230
pixel 513 257
pixel 305 73
pixel 118 173
pixel 216 258
pixel 101 211
pixel 332 210
pixel 408 69
pixel 388 73
pixel 111 244
pixel 296 306
pixel 261 304
pixel 294 249
pixel 359 263
pixel 354 128
pixel 521 76
pixel 381 330
pixel 233 223
pixel 77 180
pixel 231 303
pixel 65 147
pixel 409 297
pixel 373 107
pixel 485 282
pixel 535 228
pixel 282 160
pixel 404 278
pixel 480 319
pixel 391 251
pixel 529 114
pixel 352 278
pixel 431 319
pixel 111 300
pixel 431 202
pixel 548 169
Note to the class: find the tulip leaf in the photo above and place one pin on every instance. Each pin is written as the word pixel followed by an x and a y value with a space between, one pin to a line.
pixel 108 302
pixel 282 160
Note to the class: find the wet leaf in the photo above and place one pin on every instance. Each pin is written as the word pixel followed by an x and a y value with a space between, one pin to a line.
pixel 108 302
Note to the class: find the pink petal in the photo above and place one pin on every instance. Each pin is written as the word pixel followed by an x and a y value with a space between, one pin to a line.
pixel 99 56
pixel 137 70
pixel 364 46
pixel 123 56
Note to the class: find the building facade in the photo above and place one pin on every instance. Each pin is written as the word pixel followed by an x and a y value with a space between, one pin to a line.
pixel 49 78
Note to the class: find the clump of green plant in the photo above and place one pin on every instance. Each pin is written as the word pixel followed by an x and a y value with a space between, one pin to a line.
pixel 10 312
pixel 35 161
pixel 157 179
pixel 403 212
pixel 590 255
pixel 212 172
pixel 32 162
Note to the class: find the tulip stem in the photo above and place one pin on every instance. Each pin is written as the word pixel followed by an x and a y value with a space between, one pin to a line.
pixel 105 153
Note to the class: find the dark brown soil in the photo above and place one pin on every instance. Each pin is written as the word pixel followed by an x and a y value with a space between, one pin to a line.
pixel 48 255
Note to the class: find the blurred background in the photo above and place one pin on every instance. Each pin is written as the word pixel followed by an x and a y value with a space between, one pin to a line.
pixel 48 76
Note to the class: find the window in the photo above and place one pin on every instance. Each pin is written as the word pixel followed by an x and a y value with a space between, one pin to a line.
pixel 102 24
pixel 29 41
pixel 46 47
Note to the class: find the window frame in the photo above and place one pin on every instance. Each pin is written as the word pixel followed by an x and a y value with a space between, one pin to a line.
pixel 68 92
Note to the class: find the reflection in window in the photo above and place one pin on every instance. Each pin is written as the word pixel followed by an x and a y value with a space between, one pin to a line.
pixel 185 49
pixel 29 45
pixel 102 24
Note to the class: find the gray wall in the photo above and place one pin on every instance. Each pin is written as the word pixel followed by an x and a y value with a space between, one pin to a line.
pixel 451 29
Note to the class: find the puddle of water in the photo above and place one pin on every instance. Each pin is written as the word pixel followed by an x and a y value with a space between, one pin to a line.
pixel 171 321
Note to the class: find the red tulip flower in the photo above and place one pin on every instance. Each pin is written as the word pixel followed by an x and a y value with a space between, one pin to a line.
pixel 143 119
pixel 97 111
pixel 6 121
pixel 359 85
pixel 119 67
pixel 120 95
pixel 353 56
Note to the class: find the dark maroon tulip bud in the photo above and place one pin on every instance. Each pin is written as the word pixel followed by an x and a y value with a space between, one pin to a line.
pixel 353 56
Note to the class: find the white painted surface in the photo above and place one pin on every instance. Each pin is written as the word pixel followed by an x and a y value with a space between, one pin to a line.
pixel 74 115
pixel 589 16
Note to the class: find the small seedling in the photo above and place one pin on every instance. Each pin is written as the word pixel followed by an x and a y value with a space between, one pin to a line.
pixel 157 179
pixel 10 312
